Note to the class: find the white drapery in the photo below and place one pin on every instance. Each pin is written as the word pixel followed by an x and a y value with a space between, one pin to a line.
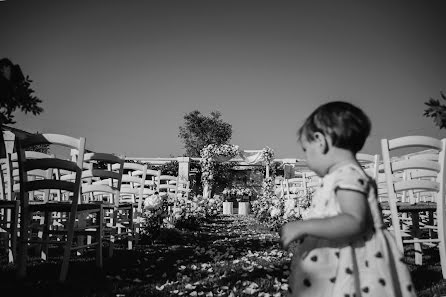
pixel 253 157
pixel 249 157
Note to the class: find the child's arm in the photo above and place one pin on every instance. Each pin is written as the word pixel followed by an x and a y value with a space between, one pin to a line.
pixel 349 224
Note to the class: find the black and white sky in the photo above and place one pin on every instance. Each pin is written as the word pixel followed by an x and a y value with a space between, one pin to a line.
pixel 124 73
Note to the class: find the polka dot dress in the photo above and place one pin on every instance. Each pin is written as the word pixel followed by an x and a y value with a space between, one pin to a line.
pixel 371 265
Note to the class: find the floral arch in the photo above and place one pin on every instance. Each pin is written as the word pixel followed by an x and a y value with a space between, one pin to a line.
pixel 212 154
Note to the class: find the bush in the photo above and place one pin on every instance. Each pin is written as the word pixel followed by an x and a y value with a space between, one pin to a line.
pixel 154 213
pixel 187 213
pixel 275 211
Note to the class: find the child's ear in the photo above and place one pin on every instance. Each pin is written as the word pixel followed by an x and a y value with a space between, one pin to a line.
pixel 322 142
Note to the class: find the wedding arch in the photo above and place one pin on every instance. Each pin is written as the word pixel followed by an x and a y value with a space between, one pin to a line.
pixel 213 154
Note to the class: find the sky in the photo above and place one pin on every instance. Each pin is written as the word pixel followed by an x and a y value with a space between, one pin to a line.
pixel 124 73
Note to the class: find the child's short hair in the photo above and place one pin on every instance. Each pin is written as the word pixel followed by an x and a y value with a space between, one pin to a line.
pixel 347 125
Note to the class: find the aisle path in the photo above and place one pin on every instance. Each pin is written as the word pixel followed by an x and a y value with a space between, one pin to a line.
pixel 229 256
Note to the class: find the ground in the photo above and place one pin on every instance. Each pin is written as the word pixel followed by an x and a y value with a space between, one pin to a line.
pixel 224 256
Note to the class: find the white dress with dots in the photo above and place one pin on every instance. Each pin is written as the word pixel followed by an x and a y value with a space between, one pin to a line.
pixel 369 266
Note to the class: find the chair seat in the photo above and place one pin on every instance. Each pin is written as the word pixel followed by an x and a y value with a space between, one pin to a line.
pixel 128 205
pixel 8 203
pixel 407 207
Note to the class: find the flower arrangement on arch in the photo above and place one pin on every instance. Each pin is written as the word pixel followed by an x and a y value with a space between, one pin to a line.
pixel 268 186
pixel 267 155
pixel 210 155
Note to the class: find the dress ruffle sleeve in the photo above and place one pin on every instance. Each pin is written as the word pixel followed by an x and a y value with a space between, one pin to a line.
pixel 349 178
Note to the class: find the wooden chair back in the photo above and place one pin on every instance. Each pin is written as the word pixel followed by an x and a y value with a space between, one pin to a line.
pixel 370 163
pixel 28 186
pixel 152 182
pixel 398 165
pixel 103 178
pixel 132 185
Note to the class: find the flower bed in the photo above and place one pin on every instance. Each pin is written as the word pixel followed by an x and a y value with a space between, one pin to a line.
pixel 275 211
pixel 186 212
pixel 267 155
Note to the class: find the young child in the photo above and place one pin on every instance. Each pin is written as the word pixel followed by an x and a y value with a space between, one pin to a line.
pixel 342 248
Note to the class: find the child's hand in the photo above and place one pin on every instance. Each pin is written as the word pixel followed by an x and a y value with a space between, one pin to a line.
pixel 289 232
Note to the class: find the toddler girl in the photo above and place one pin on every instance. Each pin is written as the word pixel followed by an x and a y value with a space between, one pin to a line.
pixel 342 248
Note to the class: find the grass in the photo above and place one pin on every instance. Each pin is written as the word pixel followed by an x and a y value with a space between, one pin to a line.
pixel 227 256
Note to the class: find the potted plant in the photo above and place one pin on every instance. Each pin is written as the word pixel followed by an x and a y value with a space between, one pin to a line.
pixel 247 193
pixel 228 205
pixel 244 205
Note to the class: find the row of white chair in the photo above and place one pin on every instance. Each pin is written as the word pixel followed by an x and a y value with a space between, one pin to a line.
pixel 79 202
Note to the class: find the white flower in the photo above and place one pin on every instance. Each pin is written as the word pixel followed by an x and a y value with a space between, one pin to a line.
pixel 153 202
pixel 268 155
pixel 305 213
pixel 274 212
pixel 208 155
pixel 289 204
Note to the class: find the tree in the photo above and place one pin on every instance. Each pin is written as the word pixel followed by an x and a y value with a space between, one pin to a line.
pixel 41 148
pixel 15 92
pixel 437 111
pixel 199 131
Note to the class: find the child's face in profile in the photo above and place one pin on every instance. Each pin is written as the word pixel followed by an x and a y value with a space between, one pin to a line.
pixel 313 155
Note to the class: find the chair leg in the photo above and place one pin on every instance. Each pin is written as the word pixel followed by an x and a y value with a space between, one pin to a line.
pixel 99 236
pixel 67 249
pixel 442 244
pixel 45 235
pixel 23 248
pixel 130 230
pixel 81 224
pixel 137 227
pixel 416 234
pixel 7 228
pixel 14 225
pixel 113 230
pixel 4 229
pixel 9 249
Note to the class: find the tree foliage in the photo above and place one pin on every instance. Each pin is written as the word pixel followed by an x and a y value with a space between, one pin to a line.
pixel 224 176
pixel 169 168
pixel 15 92
pixel 199 131
pixel 437 111
pixel 41 148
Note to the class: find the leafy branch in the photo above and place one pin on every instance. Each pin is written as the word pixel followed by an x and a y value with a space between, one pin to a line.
pixel 437 111
pixel 15 92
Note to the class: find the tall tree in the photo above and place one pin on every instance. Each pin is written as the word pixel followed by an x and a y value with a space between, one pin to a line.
pixel 15 92
pixel 199 131
pixel 437 111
